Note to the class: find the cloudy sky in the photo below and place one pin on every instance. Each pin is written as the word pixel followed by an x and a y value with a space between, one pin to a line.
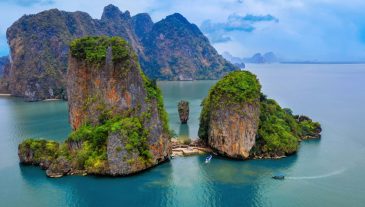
pixel 327 30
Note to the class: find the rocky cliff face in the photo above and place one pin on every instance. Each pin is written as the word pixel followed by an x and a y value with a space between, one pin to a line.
pixel 4 73
pixel 142 25
pixel 4 61
pixel 183 52
pixel 116 112
pixel 233 134
pixel 238 121
pixel 172 49
pixel 38 47
pixel 230 116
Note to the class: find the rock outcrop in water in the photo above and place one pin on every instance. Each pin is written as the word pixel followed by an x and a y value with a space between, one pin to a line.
pixel 171 49
pixel 230 115
pixel 183 109
pixel 116 113
pixel 238 121
pixel 310 129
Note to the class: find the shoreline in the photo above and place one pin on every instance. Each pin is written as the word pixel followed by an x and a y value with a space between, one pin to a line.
pixel 52 99
pixel 49 99
pixel 196 147
pixel 179 149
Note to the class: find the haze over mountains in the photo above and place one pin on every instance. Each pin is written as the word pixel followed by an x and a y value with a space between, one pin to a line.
pixel 257 58
pixel 171 49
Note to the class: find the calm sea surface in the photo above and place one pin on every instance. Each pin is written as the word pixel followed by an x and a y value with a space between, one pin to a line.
pixel 328 172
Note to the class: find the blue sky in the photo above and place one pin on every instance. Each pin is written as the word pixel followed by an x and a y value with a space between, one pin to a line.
pixel 328 30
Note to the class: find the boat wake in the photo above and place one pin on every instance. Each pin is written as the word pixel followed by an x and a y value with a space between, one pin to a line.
pixel 317 176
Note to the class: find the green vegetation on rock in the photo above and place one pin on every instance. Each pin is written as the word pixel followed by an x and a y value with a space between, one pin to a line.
pixel 94 49
pixel 94 140
pixel 93 146
pixel 41 150
pixel 154 93
pixel 238 87
pixel 308 128
pixel 279 131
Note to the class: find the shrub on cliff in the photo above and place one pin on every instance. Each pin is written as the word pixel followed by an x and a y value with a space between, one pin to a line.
pixel 38 151
pixel 94 139
pixel 236 87
pixel 94 49
pixel 278 132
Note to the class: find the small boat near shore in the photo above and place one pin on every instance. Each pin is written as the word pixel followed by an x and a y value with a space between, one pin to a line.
pixel 207 160
pixel 279 176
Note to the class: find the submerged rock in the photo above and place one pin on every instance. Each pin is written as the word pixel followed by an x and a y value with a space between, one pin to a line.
pixel 116 112
pixel 183 108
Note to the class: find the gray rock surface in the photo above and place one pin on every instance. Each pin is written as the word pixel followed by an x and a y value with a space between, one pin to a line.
pixel 183 109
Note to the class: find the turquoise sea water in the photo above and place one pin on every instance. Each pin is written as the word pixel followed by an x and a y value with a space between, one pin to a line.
pixel 326 172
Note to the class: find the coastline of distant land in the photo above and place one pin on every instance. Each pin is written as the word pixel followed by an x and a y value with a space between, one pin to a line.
pixel 322 62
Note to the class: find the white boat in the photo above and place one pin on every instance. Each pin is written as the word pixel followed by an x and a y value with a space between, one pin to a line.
pixel 207 160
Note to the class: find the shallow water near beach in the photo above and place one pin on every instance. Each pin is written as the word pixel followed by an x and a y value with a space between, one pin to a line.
pixel 326 172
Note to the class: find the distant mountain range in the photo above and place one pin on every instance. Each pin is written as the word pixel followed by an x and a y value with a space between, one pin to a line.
pixel 257 58
pixel 270 57
pixel 321 62
pixel 171 49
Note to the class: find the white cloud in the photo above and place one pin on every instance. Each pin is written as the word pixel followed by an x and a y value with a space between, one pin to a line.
pixel 307 29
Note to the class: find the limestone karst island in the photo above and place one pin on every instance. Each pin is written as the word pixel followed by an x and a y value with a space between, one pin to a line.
pixel 120 124
pixel 227 103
